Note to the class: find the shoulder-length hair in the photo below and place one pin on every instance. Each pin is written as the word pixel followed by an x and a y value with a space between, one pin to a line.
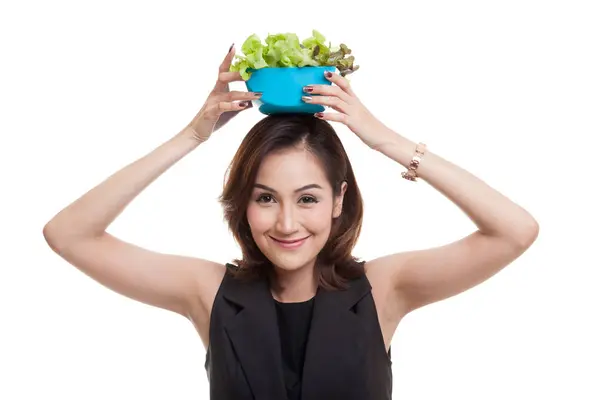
pixel 335 264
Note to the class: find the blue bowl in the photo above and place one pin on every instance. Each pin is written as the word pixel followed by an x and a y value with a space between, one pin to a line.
pixel 282 88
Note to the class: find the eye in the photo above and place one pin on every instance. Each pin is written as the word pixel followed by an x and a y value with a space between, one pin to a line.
pixel 310 199
pixel 264 196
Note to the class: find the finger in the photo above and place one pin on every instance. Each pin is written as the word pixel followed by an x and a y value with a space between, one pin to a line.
pixel 224 67
pixel 224 79
pixel 228 115
pixel 328 90
pixel 228 77
pixel 222 87
pixel 340 81
pixel 236 95
pixel 330 101
pixel 225 76
pixel 225 106
pixel 337 117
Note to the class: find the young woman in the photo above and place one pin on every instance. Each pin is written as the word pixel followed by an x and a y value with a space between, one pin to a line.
pixel 297 316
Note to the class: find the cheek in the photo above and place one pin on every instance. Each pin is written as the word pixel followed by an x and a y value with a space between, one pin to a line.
pixel 321 220
pixel 258 219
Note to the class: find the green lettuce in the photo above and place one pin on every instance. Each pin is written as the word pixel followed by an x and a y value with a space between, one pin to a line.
pixel 285 50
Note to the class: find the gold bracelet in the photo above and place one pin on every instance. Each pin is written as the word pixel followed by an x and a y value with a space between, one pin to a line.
pixel 411 173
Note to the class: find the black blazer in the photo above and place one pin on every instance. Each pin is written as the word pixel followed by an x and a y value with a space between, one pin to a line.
pixel 345 353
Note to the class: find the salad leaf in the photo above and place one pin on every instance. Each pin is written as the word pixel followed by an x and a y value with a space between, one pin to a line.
pixel 285 50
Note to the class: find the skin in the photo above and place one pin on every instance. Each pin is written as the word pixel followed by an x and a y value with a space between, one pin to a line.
pixel 276 210
pixel 401 282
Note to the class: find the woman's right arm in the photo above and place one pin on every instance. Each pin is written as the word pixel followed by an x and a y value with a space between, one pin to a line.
pixel 185 285
pixel 78 234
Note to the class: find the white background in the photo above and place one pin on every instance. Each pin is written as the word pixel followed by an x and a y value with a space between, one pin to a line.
pixel 509 90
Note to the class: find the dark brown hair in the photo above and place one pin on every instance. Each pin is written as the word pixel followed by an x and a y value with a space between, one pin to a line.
pixel 335 264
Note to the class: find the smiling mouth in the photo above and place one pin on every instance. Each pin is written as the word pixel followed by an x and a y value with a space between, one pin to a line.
pixel 288 241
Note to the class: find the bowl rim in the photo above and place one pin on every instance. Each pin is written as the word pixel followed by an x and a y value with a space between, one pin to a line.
pixel 306 66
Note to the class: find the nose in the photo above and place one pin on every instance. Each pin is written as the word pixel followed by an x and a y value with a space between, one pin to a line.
pixel 286 220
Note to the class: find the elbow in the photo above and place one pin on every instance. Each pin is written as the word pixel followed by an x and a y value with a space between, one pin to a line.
pixel 59 237
pixel 51 236
pixel 47 232
pixel 527 234
pixel 55 237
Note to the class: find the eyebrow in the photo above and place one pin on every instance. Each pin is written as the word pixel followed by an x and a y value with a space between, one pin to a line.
pixel 311 186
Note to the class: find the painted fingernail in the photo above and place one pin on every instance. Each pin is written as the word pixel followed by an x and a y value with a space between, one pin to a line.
pixel 230 48
pixel 258 94
pixel 308 89
pixel 306 98
pixel 243 103
pixel 328 74
pixel 319 115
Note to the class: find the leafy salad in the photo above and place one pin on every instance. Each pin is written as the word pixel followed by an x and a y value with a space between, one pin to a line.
pixel 286 50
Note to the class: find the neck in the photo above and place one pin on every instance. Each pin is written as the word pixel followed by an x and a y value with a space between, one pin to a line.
pixel 293 286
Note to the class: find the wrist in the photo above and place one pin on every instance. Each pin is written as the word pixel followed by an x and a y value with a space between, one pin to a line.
pixel 397 147
pixel 388 138
pixel 187 140
pixel 190 134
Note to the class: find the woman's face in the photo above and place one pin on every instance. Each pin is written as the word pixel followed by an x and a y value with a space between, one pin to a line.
pixel 292 201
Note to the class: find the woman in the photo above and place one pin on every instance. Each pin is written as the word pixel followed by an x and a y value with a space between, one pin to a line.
pixel 297 316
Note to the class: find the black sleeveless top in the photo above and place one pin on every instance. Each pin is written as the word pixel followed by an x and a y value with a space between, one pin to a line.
pixel 293 320
pixel 330 347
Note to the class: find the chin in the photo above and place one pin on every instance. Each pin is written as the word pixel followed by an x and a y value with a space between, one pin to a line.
pixel 287 263
pixel 291 259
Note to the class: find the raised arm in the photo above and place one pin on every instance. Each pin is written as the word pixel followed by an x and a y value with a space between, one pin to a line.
pixel 416 278
pixel 78 232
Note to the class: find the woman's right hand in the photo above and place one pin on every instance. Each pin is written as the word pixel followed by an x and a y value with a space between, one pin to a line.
pixel 221 105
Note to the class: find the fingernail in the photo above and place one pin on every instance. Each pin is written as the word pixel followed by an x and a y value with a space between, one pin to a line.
pixel 319 115
pixel 258 94
pixel 328 74
pixel 243 103
pixel 308 89
pixel 306 98
pixel 230 48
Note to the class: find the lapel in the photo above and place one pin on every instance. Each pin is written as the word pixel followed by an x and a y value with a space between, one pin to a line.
pixel 254 334
pixel 334 349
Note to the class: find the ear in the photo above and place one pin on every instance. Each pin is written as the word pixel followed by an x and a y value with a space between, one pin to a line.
pixel 339 201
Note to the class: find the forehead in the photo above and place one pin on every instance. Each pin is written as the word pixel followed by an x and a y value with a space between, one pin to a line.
pixel 291 167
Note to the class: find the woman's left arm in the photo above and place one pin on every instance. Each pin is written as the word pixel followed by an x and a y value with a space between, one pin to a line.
pixel 505 230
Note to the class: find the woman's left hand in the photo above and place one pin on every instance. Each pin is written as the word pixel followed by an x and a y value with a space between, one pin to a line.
pixel 352 112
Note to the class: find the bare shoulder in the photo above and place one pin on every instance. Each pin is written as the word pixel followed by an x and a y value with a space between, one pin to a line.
pixel 380 273
pixel 210 276
pixel 390 307
pixel 381 276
